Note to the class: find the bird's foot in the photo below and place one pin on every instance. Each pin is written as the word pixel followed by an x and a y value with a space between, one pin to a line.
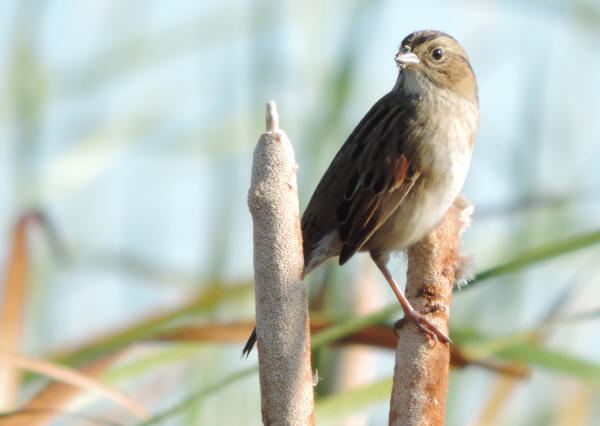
pixel 424 324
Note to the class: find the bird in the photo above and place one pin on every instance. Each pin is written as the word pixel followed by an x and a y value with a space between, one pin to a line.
pixel 401 168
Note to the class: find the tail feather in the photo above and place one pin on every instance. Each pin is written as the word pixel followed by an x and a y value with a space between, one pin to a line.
pixel 249 344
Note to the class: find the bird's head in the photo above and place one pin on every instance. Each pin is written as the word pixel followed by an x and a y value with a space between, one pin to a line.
pixel 434 59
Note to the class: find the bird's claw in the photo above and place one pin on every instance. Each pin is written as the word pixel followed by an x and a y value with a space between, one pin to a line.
pixel 424 325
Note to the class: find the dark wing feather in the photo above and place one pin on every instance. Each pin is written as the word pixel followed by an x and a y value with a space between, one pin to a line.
pixel 366 181
pixel 371 208
pixel 386 173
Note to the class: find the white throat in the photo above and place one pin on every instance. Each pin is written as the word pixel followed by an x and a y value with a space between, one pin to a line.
pixel 412 82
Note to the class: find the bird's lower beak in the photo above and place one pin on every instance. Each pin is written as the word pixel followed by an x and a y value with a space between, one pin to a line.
pixel 404 58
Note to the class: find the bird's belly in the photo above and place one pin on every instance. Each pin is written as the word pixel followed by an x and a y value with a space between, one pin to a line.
pixel 424 207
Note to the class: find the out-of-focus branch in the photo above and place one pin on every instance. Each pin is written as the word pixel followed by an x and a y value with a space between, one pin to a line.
pixel 12 307
pixel 421 370
pixel 73 378
pixel 282 324
pixel 50 403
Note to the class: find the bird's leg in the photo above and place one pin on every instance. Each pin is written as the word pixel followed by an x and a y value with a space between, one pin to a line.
pixel 409 312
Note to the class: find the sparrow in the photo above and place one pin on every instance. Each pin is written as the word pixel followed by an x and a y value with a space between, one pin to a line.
pixel 401 168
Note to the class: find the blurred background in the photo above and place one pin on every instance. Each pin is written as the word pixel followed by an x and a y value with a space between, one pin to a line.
pixel 126 138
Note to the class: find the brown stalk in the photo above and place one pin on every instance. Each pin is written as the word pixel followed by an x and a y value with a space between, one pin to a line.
pixel 50 403
pixel 73 378
pixel 12 312
pixel 374 336
pixel 421 369
pixel 282 324
pixel 13 300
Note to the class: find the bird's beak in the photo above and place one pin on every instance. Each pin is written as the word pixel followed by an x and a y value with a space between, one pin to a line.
pixel 405 57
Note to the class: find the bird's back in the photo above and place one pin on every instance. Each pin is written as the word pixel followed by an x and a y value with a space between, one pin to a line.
pixel 325 213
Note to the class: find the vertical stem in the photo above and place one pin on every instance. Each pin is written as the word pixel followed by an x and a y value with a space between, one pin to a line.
pixel 421 369
pixel 281 306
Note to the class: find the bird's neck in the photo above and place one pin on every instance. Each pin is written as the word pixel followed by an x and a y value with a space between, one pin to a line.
pixel 413 83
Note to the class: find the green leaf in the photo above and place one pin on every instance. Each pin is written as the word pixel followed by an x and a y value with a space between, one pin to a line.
pixel 172 353
pixel 536 254
pixel 523 348
pixel 336 407
pixel 344 328
pixel 199 396
pixel 212 296
pixel 557 361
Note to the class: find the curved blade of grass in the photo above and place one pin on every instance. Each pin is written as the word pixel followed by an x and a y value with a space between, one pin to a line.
pixel 152 326
pixel 579 316
pixel 58 394
pixel 335 407
pixel 522 348
pixel 356 40
pixel 536 254
pixel 51 403
pixel 75 378
pixel 198 396
pixel 12 305
pixel 550 359
pixel 500 393
pixel 330 408
pixel 172 353
pixel 344 328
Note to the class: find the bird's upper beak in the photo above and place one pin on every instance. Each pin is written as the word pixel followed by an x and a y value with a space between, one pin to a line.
pixel 406 57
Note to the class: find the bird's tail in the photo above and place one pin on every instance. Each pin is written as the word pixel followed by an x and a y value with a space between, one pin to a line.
pixel 249 344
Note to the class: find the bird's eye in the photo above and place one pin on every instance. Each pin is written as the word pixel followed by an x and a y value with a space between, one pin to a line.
pixel 437 54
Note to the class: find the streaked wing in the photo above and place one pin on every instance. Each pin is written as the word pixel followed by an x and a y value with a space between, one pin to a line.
pixel 366 181
pixel 372 205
